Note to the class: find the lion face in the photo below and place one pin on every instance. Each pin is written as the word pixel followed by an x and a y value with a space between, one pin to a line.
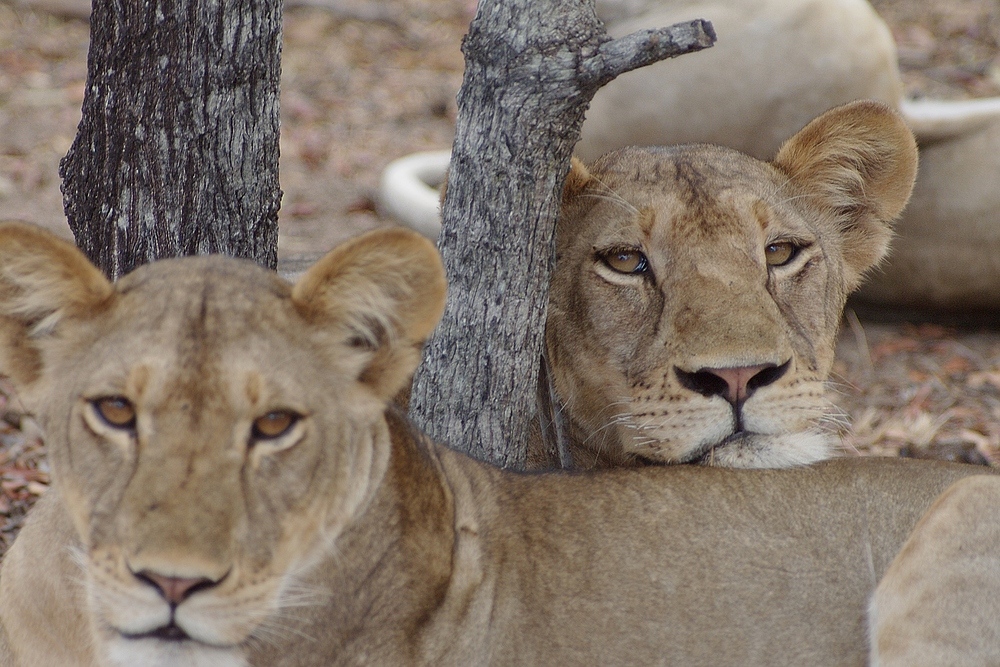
pixel 197 391
pixel 212 428
pixel 698 291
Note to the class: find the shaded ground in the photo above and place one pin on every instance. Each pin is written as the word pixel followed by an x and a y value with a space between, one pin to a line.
pixel 366 81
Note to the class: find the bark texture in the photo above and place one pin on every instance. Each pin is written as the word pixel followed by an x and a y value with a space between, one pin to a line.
pixel 177 150
pixel 531 70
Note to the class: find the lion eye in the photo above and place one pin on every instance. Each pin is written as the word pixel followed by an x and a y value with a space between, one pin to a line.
pixel 626 260
pixel 779 254
pixel 116 411
pixel 274 424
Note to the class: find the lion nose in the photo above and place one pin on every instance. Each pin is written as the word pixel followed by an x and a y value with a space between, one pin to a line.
pixel 735 384
pixel 175 589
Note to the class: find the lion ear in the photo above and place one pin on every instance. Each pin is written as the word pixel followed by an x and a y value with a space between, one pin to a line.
pixel 43 280
pixel 573 205
pixel 860 161
pixel 385 290
pixel 576 180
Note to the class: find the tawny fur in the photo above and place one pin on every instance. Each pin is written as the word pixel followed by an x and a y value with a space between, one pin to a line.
pixel 939 602
pixel 776 65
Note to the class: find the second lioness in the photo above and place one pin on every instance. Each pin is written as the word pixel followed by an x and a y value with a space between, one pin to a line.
pixel 698 292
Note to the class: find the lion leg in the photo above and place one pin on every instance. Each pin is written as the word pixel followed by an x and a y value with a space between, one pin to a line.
pixel 939 602
pixel 43 618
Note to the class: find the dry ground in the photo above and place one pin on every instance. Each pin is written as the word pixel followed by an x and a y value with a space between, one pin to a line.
pixel 366 81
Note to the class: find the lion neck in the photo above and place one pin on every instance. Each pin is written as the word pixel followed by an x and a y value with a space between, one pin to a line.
pixel 388 573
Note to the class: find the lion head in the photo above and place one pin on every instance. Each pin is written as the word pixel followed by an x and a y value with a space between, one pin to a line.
pixel 211 430
pixel 698 291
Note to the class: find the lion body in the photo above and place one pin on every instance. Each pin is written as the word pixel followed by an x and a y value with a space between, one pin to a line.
pixel 600 576
pixel 459 567
pixel 940 599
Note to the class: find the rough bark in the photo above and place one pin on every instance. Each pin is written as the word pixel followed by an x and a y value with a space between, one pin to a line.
pixel 177 150
pixel 531 70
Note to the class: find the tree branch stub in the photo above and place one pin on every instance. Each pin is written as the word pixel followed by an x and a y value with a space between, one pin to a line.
pixel 646 47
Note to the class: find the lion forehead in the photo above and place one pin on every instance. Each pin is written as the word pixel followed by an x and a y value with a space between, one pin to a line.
pixel 196 291
pixel 193 316
pixel 697 193
pixel 693 171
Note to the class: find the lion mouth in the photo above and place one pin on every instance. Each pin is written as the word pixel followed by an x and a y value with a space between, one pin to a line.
pixel 170 632
pixel 706 454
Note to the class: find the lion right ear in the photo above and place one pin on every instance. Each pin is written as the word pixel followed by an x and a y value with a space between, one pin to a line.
pixel 43 279
pixel 859 162
pixel 385 292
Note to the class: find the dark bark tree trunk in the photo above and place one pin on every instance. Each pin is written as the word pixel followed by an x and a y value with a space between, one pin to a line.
pixel 531 70
pixel 177 150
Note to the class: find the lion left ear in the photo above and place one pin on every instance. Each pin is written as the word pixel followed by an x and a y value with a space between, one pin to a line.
pixel 387 288
pixel 860 161
pixel 43 281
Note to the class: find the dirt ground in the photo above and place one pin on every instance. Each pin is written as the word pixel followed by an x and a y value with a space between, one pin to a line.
pixel 367 81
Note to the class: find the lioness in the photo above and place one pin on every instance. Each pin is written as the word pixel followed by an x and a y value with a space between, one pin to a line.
pixel 697 293
pixel 231 487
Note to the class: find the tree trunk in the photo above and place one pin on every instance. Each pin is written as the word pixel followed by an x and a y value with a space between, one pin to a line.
pixel 177 151
pixel 531 70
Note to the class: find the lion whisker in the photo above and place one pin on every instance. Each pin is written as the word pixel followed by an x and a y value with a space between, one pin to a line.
pixel 615 421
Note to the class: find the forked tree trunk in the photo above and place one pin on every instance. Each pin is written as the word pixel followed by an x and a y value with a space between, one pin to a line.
pixel 177 151
pixel 531 69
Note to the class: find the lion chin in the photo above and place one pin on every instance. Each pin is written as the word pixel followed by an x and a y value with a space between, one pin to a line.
pixel 154 652
pixel 759 450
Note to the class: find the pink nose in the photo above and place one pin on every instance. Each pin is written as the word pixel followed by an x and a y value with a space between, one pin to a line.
pixel 734 384
pixel 175 589
pixel 737 380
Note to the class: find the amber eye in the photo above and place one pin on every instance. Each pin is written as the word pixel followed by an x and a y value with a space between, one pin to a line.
pixel 625 260
pixel 116 411
pixel 274 424
pixel 780 253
